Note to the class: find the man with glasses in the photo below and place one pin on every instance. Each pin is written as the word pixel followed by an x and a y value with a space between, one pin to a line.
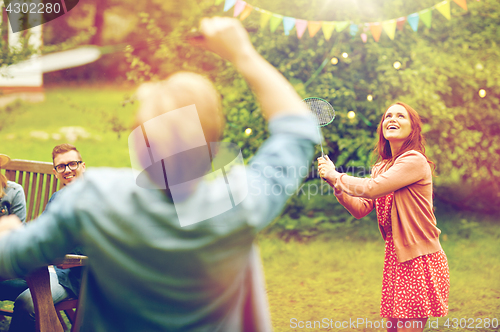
pixel 68 164
pixel 64 283
pixel 146 271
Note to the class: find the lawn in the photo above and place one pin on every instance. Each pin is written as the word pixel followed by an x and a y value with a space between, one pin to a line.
pixel 94 119
pixel 336 276
pixel 339 276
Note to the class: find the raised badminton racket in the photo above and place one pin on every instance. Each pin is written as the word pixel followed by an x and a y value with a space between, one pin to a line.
pixel 83 55
pixel 323 112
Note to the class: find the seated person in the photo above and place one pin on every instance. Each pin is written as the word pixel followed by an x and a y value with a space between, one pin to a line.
pixel 11 194
pixel 64 283
pixel 12 201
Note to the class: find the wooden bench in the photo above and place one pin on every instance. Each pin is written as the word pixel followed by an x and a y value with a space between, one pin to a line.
pixel 39 184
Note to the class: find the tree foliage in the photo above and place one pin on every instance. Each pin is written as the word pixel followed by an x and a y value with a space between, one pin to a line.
pixel 443 68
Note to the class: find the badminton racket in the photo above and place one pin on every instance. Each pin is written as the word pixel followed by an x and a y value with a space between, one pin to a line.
pixel 87 54
pixel 323 112
pixel 81 56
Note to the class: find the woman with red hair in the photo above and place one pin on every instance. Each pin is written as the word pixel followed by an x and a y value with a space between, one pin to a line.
pixel 415 283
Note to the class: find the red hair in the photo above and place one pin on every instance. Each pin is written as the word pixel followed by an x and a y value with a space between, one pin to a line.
pixel 415 140
pixel 3 184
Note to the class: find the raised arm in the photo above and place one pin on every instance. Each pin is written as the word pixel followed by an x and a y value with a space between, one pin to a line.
pixel 409 168
pixel 281 163
pixel 227 38
pixel 358 207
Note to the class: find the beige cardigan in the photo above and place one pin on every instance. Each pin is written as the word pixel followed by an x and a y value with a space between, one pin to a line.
pixel 413 221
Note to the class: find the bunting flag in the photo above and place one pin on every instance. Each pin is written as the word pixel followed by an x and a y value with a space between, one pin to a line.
pixel 376 30
pixel 400 23
pixel 413 21
pixel 243 10
pixel 300 26
pixel 246 12
pixel 444 8
pixel 353 29
pixel 229 4
pixel 389 28
pixel 313 27
pixel 288 24
pixel 328 29
pixel 275 22
pixel 238 7
pixel 426 17
pixel 462 3
pixel 339 26
pixel 265 16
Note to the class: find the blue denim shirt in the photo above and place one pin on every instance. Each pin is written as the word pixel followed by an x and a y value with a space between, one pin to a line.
pixel 14 194
pixel 148 273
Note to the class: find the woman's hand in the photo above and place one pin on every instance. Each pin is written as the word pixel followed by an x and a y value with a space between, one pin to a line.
pixel 326 169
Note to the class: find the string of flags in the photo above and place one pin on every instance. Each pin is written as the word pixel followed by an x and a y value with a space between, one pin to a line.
pixel 244 9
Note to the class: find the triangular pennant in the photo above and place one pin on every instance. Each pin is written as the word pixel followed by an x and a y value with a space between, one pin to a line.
pixel 288 24
pixel 238 7
pixel 426 17
pixel 413 21
pixel 300 26
pixel 364 37
pixel 462 3
pixel 229 4
pixel 264 18
pixel 390 28
pixel 444 8
pixel 376 30
pixel 400 23
pixel 248 9
pixel 218 2
pixel 275 22
pixel 353 29
pixel 339 26
pixel 328 29
pixel 313 27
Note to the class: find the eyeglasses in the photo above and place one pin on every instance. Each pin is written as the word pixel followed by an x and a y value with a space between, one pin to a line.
pixel 72 165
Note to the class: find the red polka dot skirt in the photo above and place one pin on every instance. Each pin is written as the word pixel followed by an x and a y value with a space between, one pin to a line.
pixel 417 288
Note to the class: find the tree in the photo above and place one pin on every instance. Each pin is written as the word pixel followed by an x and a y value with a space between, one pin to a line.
pixel 442 70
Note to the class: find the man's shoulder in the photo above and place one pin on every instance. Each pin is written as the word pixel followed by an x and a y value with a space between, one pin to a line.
pixel 106 177
pixel 111 174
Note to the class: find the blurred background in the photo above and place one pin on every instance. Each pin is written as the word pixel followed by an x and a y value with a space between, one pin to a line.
pixel 320 261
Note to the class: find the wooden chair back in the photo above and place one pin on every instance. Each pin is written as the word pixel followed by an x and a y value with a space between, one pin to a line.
pixel 38 181
pixel 39 184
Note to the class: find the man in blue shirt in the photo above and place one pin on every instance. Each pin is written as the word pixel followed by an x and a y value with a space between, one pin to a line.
pixel 64 283
pixel 166 254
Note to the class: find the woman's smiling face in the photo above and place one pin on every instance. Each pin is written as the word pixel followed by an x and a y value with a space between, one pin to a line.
pixel 397 123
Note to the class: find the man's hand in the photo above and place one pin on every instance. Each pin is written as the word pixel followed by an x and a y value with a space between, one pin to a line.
pixel 9 223
pixel 226 37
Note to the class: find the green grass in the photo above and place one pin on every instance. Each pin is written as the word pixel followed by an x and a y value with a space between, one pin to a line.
pixel 336 276
pixel 93 109
pixel 339 277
